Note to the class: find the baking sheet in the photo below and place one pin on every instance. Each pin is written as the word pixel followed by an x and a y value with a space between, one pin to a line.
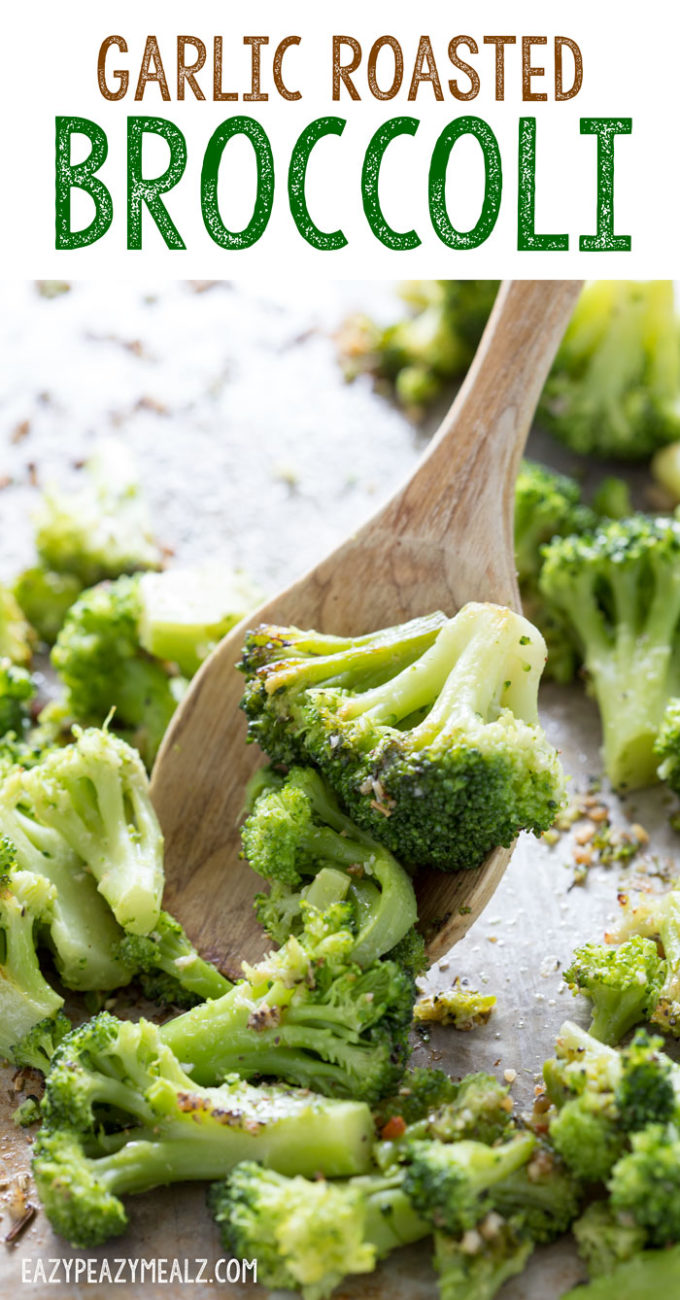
pixel 252 447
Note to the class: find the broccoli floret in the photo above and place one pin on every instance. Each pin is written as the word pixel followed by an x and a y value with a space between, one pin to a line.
pixel 543 1195
pixel 186 611
pixel 111 1073
pixel 82 931
pixel 168 967
pixel 649 1089
pixel 657 916
pixel 31 1021
pixel 475 1266
pixel 619 588
pixel 95 794
pixel 614 386
pixel 421 1092
pixel 623 984
pixel 410 953
pixel 99 659
pixel 605 1239
pixel 421 353
pixel 582 1080
pixel 307 1014
pixel 17 690
pixel 459 1006
pixel 101 529
pixel 651 1273
pixel 16 635
pixel 443 759
pixel 309 1235
pixel 547 505
pixel 478 1108
pixel 45 598
pixel 645 1183
pixel 296 831
pixel 451 1184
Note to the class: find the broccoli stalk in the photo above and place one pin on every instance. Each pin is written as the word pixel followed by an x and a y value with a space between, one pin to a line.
pixel 614 386
pixel 622 983
pixel 95 795
pixel 184 612
pixel 619 589
pixel 296 832
pixel 475 1266
pixel 110 1070
pixel 441 758
pixel 99 659
pixel 307 1014
pixel 31 1021
pixel 168 966
pixel 651 1273
pixel 309 1235
pixel 101 529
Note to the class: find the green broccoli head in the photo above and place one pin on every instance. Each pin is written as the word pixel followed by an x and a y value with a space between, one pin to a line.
pixel 17 691
pixel 45 598
pixel 645 1183
pixel 547 505
pixel 421 1092
pixel 667 746
pixel 306 1236
pixel 120 1116
pixel 296 833
pixel 619 589
pixel 99 659
pixel 16 634
pixel 95 794
pixel 605 1239
pixel 614 386
pixel 308 1014
pixel 101 529
pixel 649 1089
pixel 623 984
pixel 451 1184
pixel 657 916
pixel 544 1195
pixel 30 1020
pixel 476 1265
pixel 168 966
pixel 443 759
pixel 581 1080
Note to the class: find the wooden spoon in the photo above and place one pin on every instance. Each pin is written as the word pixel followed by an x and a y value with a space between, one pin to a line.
pixel 445 538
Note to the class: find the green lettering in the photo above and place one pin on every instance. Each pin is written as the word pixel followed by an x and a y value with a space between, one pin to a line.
pixel 493 183
pixel 148 191
pixel 606 129
pixel 370 181
pixel 297 177
pixel 264 197
pixel 527 238
pixel 80 176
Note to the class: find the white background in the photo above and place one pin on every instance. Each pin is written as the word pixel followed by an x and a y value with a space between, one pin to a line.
pixel 629 52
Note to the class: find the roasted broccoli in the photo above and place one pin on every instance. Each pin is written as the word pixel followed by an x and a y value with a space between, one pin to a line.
pixel 544 1196
pixel 307 1014
pixel 667 747
pixel 16 635
pixel 168 966
pixel 623 984
pixel 451 1183
pixel 95 795
pixel 645 1183
pixel 45 598
pixel 120 1115
pixel 475 1265
pixel 614 387
pixel 656 916
pixel 436 751
pixel 31 1020
pixel 620 589
pixel 296 834
pixel 421 353
pixel 421 1091
pixel 99 659
pixel 308 1235
pixel 605 1239
pixel 17 690
pixel 101 529
pixel 184 612
pixel 436 1108
pixel 651 1273
pixel 460 1006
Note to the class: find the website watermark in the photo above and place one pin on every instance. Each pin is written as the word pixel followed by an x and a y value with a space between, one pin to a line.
pixel 158 1271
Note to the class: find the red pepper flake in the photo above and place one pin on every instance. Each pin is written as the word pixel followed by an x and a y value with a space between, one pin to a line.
pixel 394 1128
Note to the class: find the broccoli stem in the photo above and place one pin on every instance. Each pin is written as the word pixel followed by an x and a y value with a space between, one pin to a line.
pixel 651 1273
pixel 359 661
pixel 391 1220
pixel 25 996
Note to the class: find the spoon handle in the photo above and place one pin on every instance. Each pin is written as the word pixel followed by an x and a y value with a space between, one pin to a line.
pixel 464 485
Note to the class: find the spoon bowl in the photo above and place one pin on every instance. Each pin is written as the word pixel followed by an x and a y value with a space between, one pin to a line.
pixel 443 539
